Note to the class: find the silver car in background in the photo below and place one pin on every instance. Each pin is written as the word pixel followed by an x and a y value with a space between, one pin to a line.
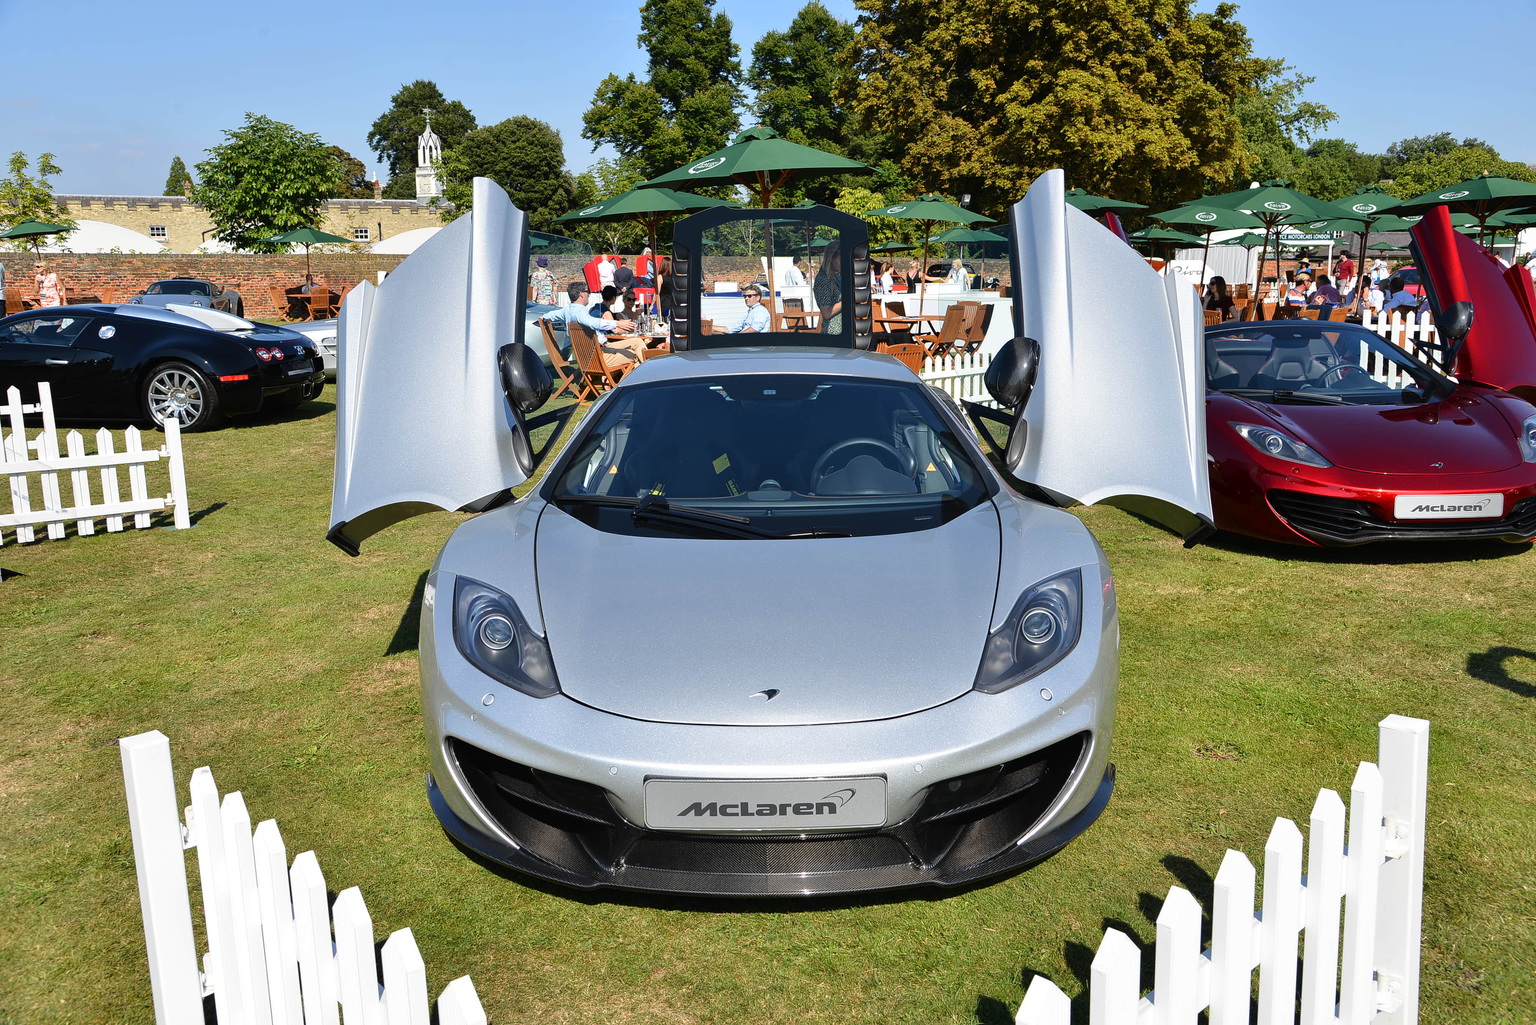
pixel 773 624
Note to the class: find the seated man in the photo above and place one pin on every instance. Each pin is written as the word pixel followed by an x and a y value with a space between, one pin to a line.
pixel 757 319
pixel 1400 299
pixel 577 311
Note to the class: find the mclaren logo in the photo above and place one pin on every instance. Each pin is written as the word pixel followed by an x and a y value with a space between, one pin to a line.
pixel 1453 507
pixel 829 805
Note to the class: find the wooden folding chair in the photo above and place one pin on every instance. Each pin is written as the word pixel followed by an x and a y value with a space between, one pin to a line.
pixel 1212 318
pixel 1338 312
pixel 571 378
pixel 950 331
pixel 1307 312
pixel 974 331
pixel 601 370
pixel 321 305
pixel 910 353
pixel 279 300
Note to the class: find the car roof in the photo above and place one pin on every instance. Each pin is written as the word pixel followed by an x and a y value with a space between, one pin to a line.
pixel 769 360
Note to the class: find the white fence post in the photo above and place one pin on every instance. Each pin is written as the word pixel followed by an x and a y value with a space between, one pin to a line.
pixel 312 935
pixel 1114 980
pixel 1404 759
pixel 459 1004
pixel 162 871
pixel 405 980
pixel 355 966
pixel 1325 890
pixel 1233 952
pixel 1044 1004
pixel 1175 1001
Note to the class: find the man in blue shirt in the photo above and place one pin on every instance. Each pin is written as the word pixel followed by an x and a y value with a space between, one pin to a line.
pixel 757 319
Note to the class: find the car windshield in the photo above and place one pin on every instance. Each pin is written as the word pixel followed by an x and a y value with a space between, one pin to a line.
pixel 179 288
pixel 1307 361
pixel 770 456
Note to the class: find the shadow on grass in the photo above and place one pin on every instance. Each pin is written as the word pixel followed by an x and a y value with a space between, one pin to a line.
pixel 272 413
pixel 1400 553
pixel 408 631
pixel 1491 667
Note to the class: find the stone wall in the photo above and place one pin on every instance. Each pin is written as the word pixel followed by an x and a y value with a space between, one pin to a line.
pixel 187 225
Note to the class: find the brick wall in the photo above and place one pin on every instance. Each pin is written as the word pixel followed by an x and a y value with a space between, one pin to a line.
pixel 113 277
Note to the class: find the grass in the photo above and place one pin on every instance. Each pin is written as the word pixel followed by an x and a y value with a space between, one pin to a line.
pixel 1252 676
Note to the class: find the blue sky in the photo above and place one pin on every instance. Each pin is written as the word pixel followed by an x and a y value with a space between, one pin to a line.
pixel 124 101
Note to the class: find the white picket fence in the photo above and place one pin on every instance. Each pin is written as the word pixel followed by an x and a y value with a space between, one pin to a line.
pixel 19 464
pixel 1369 974
pixel 960 376
pixel 1415 336
pixel 277 955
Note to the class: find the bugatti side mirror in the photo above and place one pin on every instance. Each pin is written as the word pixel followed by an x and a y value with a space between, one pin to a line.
pixel 524 378
pixel 1010 376
pixel 1454 323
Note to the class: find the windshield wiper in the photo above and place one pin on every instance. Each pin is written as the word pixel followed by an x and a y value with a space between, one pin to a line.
pixel 657 511
pixel 1281 395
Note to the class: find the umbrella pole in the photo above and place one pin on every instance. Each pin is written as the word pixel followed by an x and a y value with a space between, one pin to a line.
pixel 1204 259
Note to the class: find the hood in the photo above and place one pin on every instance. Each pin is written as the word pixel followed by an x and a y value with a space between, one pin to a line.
pixel 1501 347
pixel 701 630
pixel 1463 433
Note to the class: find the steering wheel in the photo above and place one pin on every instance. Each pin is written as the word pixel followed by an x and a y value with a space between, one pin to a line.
pixel 1337 373
pixel 903 463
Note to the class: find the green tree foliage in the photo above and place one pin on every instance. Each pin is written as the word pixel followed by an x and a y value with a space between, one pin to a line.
pixel 604 180
pixel 686 107
pixel 266 178
pixel 1332 169
pixel 521 154
pixel 798 76
pixel 1133 98
pixel 394 133
pixel 1407 151
pixel 1275 119
pixel 177 179
pixel 354 183
pixel 24 195
pixel 1432 170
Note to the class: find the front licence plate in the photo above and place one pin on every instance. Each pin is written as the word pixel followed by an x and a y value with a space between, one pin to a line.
pixel 1449 507
pixel 733 805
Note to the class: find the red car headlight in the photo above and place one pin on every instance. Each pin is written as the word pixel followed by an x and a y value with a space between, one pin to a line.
pixel 1278 445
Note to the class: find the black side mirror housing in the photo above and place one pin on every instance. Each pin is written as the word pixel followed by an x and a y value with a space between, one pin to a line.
pixel 1011 375
pixel 1455 321
pixel 524 378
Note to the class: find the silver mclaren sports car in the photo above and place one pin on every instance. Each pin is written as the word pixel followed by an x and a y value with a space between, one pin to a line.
pixel 774 622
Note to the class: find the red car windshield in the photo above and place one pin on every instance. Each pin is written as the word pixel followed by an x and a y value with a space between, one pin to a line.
pixel 1316 362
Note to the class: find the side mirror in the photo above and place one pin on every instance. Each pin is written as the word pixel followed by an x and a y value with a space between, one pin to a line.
pixel 524 378
pixel 1455 321
pixel 1011 374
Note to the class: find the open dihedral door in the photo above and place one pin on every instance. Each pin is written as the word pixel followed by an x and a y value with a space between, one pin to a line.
pixel 422 421
pixel 1117 412
pixel 1500 345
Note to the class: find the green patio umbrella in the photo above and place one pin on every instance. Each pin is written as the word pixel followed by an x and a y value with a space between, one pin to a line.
pixel 306 237
pixel 1090 204
pixel 1359 210
pixel 1168 236
pixel 1274 202
pixel 34 229
pixel 927 211
pixel 893 247
pixel 646 207
pixel 1386 247
pixel 762 162
pixel 1208 219
pixel 1479 197
pixel 1247 240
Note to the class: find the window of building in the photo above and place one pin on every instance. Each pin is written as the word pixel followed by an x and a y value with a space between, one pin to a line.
pixel 359 234
pixel 157 231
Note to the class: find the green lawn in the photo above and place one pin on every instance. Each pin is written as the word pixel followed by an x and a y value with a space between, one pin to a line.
pixel 1252 676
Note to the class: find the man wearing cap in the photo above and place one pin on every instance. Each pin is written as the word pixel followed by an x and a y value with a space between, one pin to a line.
pixel 542 284
pixel 757 319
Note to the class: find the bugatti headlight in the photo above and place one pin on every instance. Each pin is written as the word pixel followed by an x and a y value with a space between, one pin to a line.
pixel 1279 446
pixel 1040 631
pixel 492 634
pixel 136 301
pixel 1528 439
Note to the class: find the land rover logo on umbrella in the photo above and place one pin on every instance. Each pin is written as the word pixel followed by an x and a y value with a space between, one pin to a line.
pixel 1364 208
pixel 895 209
pixel 705 165
pixel 1452 195
pixel 589 211
pixel 1273 205
pixel 1205 216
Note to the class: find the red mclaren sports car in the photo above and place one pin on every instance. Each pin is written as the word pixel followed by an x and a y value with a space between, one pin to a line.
pixel 1324 433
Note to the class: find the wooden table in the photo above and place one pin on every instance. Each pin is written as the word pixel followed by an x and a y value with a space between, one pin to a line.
pixel 639 347
pixel 801 320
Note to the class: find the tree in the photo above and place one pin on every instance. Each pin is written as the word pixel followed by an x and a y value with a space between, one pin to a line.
pixel 394 133
pixel 798 76
pixel 604 180
pixel 1407 151
pixel 1132 98
pixel 354 183
pixel 521 154
pixel 687 105
pixel 177 180
pixel 267 178
pixel 1332 169
pixel 1274 120
pixel 1431 170
pixel 23 196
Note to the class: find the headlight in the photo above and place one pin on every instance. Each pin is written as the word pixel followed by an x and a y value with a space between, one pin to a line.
pixel 1042 628
pixel 197 302
pixel 1280 446
pixel 1528 439
pixel 136 301
pixel 490 631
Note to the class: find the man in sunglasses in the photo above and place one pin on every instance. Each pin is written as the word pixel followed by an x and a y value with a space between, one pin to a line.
pixel 757 319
